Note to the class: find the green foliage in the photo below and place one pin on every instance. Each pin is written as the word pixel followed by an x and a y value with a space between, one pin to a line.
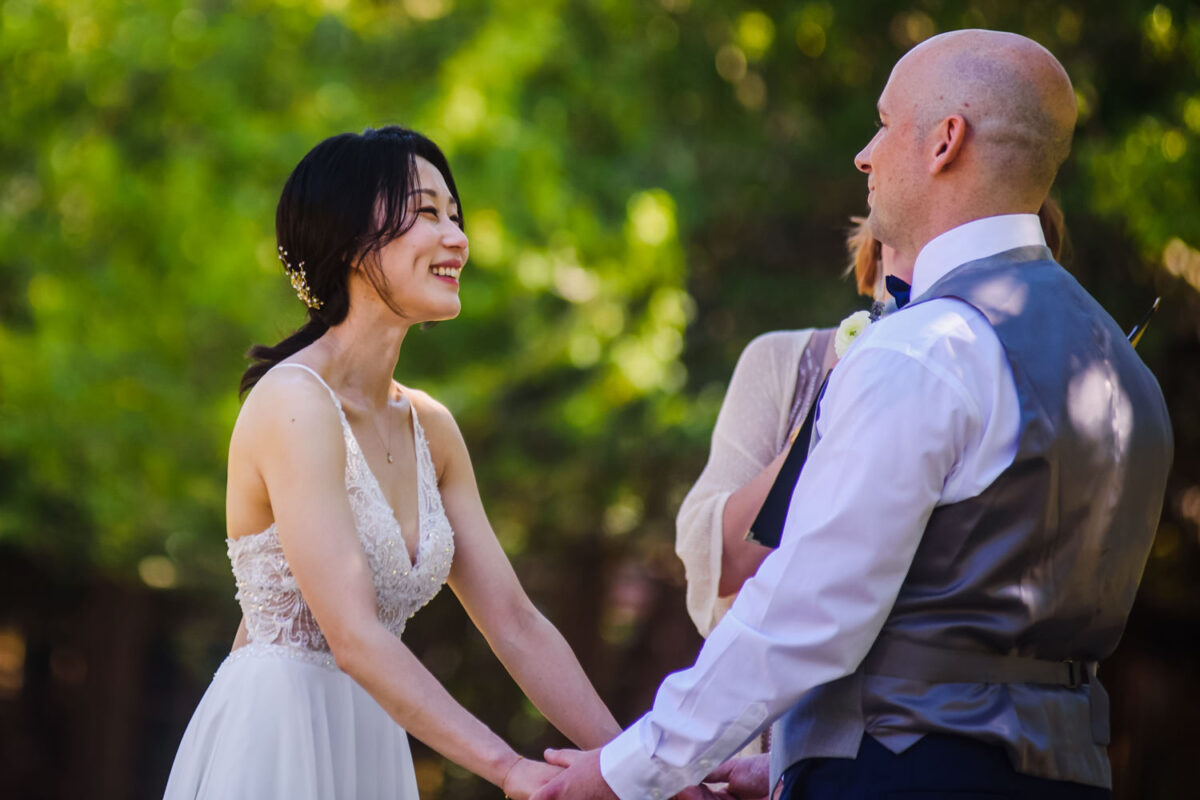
pixel 647 185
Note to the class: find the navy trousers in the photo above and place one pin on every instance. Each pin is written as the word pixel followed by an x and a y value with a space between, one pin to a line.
pixel 938 767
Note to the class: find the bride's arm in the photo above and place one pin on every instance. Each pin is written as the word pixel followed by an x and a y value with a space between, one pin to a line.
pixel 529 646
pixel 301 457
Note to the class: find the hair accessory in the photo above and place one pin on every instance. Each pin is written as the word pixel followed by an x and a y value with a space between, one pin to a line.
pixel 299 281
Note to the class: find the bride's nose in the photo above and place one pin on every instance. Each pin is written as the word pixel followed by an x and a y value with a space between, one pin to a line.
pixel 453 236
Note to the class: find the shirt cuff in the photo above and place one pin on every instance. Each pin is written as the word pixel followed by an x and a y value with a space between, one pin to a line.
pixel 629 770
pixel 634 769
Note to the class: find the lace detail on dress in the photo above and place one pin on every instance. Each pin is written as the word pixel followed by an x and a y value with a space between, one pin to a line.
pixel 275 610
pixel 318 658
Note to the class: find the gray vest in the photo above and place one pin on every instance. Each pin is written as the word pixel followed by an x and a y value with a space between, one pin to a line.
pixel 1041 567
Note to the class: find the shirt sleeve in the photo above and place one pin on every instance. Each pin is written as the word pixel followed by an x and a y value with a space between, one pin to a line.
pixel 747 436
pixel 892 427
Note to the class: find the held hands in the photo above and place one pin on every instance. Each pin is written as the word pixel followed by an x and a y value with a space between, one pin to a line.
pixel 580 780
pixel 747 779
pixel 525 777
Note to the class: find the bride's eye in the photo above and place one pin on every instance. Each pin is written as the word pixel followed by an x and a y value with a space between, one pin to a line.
pixel 428 210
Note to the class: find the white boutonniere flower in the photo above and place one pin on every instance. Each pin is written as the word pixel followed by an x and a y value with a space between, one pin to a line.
pixel 849 330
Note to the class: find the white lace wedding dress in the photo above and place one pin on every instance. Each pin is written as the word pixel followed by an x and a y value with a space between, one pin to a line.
pixel 280 720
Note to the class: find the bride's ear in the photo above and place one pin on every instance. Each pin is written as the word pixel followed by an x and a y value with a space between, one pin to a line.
pixel 947 142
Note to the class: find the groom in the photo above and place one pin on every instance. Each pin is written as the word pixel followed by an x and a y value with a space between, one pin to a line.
pixel 965 541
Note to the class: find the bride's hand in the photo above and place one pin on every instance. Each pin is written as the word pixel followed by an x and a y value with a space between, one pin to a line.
pixel 526 777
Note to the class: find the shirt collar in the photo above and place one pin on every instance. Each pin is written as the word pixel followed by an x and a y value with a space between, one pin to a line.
pixel 971 241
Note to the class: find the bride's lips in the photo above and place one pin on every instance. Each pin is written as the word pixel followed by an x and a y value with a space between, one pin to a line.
pixel 447 271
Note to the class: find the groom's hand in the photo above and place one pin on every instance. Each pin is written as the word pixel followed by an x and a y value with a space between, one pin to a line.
pixel 702 792
pixel 747 778
pixel 581 780
pixel 526 777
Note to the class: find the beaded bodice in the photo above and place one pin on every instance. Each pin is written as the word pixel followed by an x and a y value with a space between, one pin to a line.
pixel 276 612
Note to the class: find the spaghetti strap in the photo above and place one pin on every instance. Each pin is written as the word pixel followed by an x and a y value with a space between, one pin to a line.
pixel 320 380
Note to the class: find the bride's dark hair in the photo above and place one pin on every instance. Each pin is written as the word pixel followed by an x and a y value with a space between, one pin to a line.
pixel 344 201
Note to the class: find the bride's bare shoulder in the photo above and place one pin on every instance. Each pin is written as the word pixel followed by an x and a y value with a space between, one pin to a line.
pixel 441 430
pixel 286 402
pixel 429 409
pixel 288 432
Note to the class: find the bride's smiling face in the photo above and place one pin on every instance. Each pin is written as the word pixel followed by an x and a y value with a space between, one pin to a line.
pixel 423 266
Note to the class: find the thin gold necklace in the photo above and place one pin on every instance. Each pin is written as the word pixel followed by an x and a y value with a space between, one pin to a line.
pixel 387 448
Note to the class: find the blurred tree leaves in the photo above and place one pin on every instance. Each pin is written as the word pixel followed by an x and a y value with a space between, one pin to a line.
pixel 647 186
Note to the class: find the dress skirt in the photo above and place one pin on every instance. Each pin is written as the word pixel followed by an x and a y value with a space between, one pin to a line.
pixel 279 722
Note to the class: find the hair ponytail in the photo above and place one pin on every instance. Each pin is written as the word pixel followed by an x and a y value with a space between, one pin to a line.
pixel 266 356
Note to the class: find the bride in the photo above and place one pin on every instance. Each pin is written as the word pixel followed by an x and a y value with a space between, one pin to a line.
pixel 351 499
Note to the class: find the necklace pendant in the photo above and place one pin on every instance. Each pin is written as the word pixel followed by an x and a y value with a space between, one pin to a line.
pixel 390 460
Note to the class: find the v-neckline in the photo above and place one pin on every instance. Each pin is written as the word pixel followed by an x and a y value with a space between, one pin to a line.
pixel 417 460
pixel 412 415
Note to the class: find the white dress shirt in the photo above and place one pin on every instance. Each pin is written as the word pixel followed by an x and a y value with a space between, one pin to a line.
pixel 921 412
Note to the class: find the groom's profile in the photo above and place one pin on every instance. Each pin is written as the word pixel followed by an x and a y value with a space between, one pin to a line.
pixel 965 541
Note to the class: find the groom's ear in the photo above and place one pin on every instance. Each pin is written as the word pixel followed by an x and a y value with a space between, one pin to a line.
pixel 946 143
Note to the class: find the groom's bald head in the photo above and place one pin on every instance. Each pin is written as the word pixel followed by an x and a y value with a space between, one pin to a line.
pixel 973 124
pixel 1014 94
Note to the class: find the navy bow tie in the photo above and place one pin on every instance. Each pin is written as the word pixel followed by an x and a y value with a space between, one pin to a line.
pixel 898 289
